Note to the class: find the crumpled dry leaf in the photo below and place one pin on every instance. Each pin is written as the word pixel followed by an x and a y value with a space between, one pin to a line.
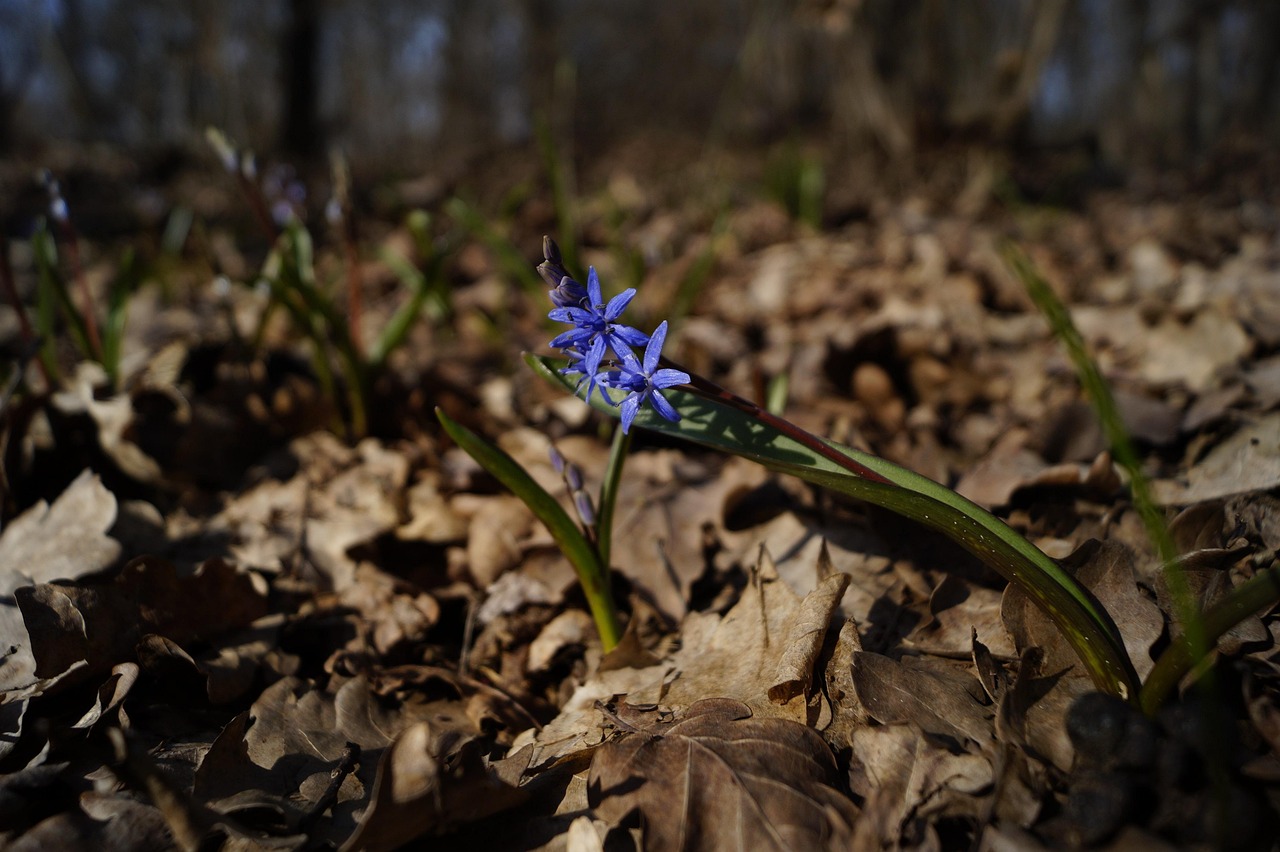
pixel 65 540
pixel 959 609
pixel 341 497
pixel 763 651
pixel 1105 569
pixel 939 701
pixel 420 789
pixel 278 759
pixel 391 610
pixel 718 778
pixel 90 628
pixel 1246 461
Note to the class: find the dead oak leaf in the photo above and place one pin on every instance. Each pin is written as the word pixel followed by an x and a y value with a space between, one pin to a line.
pixel 939 702
pixel 420 789
pixel 1106 569
pixel 91 628
pixel 763 651
pixel 719 778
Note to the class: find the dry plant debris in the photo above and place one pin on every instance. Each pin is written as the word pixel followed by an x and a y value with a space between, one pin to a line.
pixel 224 627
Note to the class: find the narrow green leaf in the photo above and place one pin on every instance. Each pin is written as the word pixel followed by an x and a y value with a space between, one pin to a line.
pixel 54 291
pixel 124 285
pixel 1072 608
pixel 1249 598
pixel 572 542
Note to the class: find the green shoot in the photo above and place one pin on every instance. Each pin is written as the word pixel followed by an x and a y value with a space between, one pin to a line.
pixel 591 569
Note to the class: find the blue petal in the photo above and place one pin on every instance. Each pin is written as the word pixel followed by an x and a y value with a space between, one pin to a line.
pixel 666 409
pixel 594 355
pixel 632 336
pixel 630 406
pixel 593 287
pixel 569 314
pixel 618 304
pixel 667 378
pixel 653 351
pixel 572 337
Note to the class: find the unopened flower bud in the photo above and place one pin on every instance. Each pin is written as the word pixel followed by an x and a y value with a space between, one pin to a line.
pixel 573 476
pixel 586 511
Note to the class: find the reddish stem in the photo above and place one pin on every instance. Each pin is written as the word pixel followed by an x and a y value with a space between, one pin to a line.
pixel 24 322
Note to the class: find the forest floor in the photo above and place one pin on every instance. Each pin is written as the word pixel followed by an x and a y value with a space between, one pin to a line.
pixel 230 624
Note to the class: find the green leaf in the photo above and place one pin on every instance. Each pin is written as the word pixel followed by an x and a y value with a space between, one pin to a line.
pixel 1080 618
pixel 574 545
pixel 124 286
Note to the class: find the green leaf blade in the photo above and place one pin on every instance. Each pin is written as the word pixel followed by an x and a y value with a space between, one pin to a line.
pixel 570 539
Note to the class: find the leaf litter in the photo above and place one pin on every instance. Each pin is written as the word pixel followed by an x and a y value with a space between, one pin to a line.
pixel 284 641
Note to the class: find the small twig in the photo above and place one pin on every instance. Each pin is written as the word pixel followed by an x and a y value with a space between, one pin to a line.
pixel 468 636
pixel 348 764
pixel 341 215
pixel 29 337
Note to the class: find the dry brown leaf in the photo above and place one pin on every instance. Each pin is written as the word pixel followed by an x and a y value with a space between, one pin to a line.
pixel 339 498
pixel 63 541
pixel 391 610
pixel 718 778
pixel 1106 569
pixel 1247 461
pixel 937 701
pixel 91 628
pixel 959 610
pixel 424 785
pixel 762 651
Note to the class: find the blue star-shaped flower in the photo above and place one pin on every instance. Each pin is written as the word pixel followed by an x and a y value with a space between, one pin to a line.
pixel 644 382
pixel 595 325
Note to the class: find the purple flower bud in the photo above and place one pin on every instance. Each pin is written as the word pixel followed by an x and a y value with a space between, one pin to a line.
pixel 557 460
pixel 573 477
pixel 586 511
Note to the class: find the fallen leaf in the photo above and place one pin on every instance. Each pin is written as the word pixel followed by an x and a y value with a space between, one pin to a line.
pixel 1249 460
pixel 762 652
pixel 717 778
pixel 939 702
pixel 424 785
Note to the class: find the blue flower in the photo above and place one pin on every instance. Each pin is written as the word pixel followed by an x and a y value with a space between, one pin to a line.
pixel 595 325
pixel 645 382
pixel 578 364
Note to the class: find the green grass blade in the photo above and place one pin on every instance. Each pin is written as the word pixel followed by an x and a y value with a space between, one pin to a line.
pixel 55 296
pixel 1099 393
pixel 1075 612
pixel 574 545
pixel 1251 597
pixel 422 297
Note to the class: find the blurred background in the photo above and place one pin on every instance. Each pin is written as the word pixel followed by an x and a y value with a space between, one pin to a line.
pixel 403 87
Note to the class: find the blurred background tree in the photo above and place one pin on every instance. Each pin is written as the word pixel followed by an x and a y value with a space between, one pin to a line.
pixel 405 84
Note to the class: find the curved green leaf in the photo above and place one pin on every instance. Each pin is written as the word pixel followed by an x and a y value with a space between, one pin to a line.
pixel 585 560
pixel 1081 619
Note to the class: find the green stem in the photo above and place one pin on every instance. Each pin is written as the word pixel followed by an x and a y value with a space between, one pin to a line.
pixel 584 558
pixel 1262 591
pixel 618 452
